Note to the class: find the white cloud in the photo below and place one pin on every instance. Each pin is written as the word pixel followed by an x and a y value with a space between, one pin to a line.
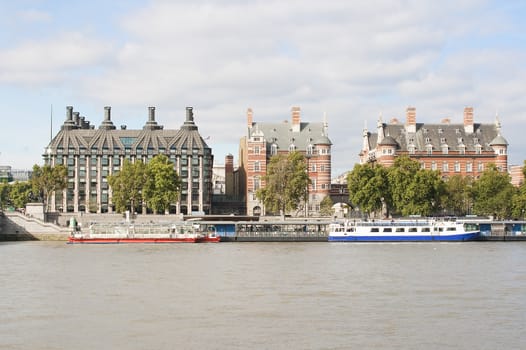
pixel 39 62
pixel 352 60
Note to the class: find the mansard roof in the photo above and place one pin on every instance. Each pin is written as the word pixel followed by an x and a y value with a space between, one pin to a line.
pixel 439 135
pixel 283 134
pixel 74 137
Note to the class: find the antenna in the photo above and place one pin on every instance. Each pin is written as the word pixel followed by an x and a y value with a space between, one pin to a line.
pixel 51 126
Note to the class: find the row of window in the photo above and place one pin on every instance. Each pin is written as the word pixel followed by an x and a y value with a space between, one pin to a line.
pixel 456 166
pixel 311 150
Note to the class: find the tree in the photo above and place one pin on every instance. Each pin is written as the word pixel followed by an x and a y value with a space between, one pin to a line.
pixel 127 186
pixel 286 183
pixel 492 193
pixel 457 198
pixel 20 194
pixel 326 206
pixel 162 184
pixel 368 187
pixel 46 180
pixel 518 206
pixel 414 190
pixel 4 195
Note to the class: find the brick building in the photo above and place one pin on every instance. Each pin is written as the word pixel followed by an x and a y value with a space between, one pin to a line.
pixel 464 148
pixel 91 155
pixel 263 140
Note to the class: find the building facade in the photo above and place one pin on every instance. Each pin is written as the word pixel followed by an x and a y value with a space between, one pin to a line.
pixel 454 149
pixel 264 140
pixel 91 155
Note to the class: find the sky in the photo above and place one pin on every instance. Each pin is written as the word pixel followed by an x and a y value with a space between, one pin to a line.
pixel 351 61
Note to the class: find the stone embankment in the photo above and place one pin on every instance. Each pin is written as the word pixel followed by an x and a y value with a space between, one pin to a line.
pixel 15 226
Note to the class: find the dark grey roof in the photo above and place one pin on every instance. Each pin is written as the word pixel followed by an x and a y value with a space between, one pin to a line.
pixel 438 135
pixel 388 141
pixel 499 141
pixel 105 140
pixel 283 136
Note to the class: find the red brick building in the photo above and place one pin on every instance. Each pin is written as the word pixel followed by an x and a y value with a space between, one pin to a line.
pixel 263 140
pixel 465 149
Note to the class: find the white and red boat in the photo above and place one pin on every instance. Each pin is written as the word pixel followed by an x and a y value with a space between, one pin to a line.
pixel 145 233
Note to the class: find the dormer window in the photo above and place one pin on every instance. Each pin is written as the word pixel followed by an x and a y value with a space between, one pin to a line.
pixel 273 149
pixel 411 149
pixel 478 149
pixel 442 140
pixel 445 149
pixel 440 131
pixel 292 148
pixel 310 149
pixel 462 149
pixel 424 130
pixel 429 149
pixel 428 140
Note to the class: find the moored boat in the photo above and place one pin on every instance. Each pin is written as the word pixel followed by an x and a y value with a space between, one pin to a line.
pixel 145 233
pixel 410 230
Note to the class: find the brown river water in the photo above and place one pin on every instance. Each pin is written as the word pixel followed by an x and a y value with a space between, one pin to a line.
pixel 263 296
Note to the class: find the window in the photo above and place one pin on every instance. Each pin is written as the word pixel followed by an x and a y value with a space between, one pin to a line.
pixel 411 149
pixel 478 149
pixel 292 148
pixel 422 165
pixel 457 167
pixel 256 150
pixel 480 167
pixel 310 149
pixel 256 166
pixel 429 149
pixel 273 149
pixel 256 183
pixel 313 168
pixel 433 165
pixel 445 167
pixel 469 167
pixel 445 149
pixel 462 149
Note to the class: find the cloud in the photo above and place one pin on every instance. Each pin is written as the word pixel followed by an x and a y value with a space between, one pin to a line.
pixel 51 60
pixel 33 15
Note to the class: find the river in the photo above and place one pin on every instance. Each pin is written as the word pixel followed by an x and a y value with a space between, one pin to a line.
pixel 263 296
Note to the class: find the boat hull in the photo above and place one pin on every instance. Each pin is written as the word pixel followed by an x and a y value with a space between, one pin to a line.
pixel 468 236
pixel 73 240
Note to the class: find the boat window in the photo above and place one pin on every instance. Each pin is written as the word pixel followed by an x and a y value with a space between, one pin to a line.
pixel 388 229
pixel 350 229
pixel 426 229
pixel 400 229
pixel 451 229
pixel 412 229
pixel 375 229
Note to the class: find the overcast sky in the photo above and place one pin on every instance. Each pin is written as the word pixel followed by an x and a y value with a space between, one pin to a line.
pixel 350 60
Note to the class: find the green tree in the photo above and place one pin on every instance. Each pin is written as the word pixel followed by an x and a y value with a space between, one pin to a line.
pixel 286 183
pixel 20 194
pixel 46 180
pixel 457 198
pixel 4 195
pixel 127 186
pixel 326 206
pixel 414 190
pixel 492 193
pixel 162 184
pixel 369 188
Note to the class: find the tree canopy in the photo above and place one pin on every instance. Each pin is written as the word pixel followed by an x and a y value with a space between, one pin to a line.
pixel 492 193
pixel 46 180
pixel 155 185
pixel 286 183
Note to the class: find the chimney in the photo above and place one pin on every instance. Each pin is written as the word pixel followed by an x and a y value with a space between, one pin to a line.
pixel 151 114
pixel 296 119
pixel 250 119
pixel 151 124
pixel 107 124
pixel 69 123
pixel 468 120
pixel 410 124
pixel 69 113
pixel 76 118
pixel 189 123
pixel 229 174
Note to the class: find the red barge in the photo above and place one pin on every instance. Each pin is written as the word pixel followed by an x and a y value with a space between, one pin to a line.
pixel 146 233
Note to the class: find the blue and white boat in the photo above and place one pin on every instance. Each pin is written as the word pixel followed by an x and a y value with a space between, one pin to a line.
pixel 409 230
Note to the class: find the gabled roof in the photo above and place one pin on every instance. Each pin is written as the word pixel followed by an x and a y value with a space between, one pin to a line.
pixel 282 134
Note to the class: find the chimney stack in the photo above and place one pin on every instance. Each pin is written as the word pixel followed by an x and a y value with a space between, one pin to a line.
pixel 410 114
pixel 296 119
pixel 151 114
pixel 107 123
pixel 69 123
pixel 468 120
